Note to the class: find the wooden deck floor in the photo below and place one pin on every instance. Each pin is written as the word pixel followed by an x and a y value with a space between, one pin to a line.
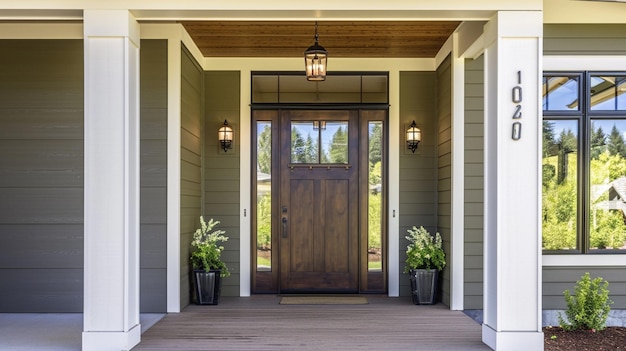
pixel 261 323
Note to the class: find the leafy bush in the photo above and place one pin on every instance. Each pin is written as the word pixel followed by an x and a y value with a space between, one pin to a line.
pixel 559 215
pixel 374 221
pixel 424 250
pixel 589 308
pixel 264 222
pixel 208 250
pixel 608 230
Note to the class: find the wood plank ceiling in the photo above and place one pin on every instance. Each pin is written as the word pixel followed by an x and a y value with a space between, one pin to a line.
pixel 354 39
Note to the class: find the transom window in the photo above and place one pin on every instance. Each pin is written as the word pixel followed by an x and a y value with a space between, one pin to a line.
pixel 584 162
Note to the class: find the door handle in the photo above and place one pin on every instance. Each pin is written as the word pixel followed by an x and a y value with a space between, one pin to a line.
pixel 284 220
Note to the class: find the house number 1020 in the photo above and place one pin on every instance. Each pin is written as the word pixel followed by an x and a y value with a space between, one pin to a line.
pixel 516 132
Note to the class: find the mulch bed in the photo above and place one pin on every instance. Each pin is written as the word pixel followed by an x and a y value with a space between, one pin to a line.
pixel 611 338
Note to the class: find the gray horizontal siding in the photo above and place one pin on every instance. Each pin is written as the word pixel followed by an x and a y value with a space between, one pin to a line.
pixel 221 172
pixel 41 163
pixel 418 171
pixel 41 176
pixel 474 169
pixel 56 246
pixel 59 124
pixel 28 82
pixel 191 165
pixel 584 39
pixel 444 173
pixel 41 289
pixel 153 172
pixel 558 279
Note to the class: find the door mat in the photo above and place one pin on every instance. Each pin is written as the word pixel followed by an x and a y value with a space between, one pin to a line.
pixel 323 300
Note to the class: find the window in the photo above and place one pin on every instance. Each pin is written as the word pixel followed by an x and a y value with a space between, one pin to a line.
pixel 319 142
pixel 584 162
pixel 264 196
pixel 375 210
pixel 339 87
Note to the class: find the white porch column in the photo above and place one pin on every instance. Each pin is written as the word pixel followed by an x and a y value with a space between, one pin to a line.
pixel 111 269
pixel 512 252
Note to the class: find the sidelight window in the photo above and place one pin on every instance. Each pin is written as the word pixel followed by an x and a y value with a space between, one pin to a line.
pixel 264 196
pixel 375 196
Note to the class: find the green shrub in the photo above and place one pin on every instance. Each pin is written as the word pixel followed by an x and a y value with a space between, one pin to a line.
pixel 589 307
pixel 264 222
pixel 208 248
pixel 424 250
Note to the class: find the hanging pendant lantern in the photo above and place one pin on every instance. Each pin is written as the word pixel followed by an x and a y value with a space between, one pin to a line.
pixel 315 60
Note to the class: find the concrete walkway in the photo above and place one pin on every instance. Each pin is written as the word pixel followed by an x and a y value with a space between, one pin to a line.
pixel 49 331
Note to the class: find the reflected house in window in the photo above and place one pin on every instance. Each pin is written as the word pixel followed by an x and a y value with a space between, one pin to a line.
pixel 607 92
pixel 263 183
pixel 376 188
pixel 608 208
pixel 611 196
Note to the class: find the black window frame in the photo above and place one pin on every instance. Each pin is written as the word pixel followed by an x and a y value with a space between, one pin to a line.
pixel 584 116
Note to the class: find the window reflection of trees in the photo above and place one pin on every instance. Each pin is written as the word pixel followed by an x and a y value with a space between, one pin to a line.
pixel 264 197
pixel 375 209
pixel 559 212
pixel 264 149
pixel 314 145
pixel 607 185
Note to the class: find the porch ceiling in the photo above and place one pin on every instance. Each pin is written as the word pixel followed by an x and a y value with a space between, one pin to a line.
pixel 353 39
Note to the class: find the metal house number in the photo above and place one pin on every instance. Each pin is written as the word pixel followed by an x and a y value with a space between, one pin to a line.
pixel 516 132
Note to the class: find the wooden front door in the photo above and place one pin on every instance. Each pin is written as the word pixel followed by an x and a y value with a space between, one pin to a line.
pixel 319 187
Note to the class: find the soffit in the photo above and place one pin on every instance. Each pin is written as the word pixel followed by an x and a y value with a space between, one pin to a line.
pixel 353 39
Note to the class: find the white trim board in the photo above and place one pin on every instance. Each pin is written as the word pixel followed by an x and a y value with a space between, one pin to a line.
pixel 584 63
pixel 457 261
pixel 587 260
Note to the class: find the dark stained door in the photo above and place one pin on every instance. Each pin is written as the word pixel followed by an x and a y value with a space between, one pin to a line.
pixel 319 249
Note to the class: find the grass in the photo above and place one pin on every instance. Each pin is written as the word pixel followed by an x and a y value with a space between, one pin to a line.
pixel 262 261
pixel 374 265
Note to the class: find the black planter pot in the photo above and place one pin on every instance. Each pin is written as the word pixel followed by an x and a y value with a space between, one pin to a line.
pixel 424 286
pixel 207 287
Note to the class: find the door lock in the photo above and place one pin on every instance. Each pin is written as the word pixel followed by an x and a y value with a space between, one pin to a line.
pixel 284 220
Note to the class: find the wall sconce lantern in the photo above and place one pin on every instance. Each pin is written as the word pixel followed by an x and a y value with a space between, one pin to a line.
pixel 413 137
pixel 225 136
pixel 315 60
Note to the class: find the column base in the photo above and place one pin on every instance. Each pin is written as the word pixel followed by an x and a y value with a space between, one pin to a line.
pixel 103 341
pixel 512 340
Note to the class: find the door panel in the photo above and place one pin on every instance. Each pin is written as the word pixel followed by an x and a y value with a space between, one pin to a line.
pixel 301 227
pixel 319 201
pixel 337 258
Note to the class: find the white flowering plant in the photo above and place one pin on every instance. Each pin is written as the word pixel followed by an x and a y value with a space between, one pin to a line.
pixel 424 251
pixel 208 248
